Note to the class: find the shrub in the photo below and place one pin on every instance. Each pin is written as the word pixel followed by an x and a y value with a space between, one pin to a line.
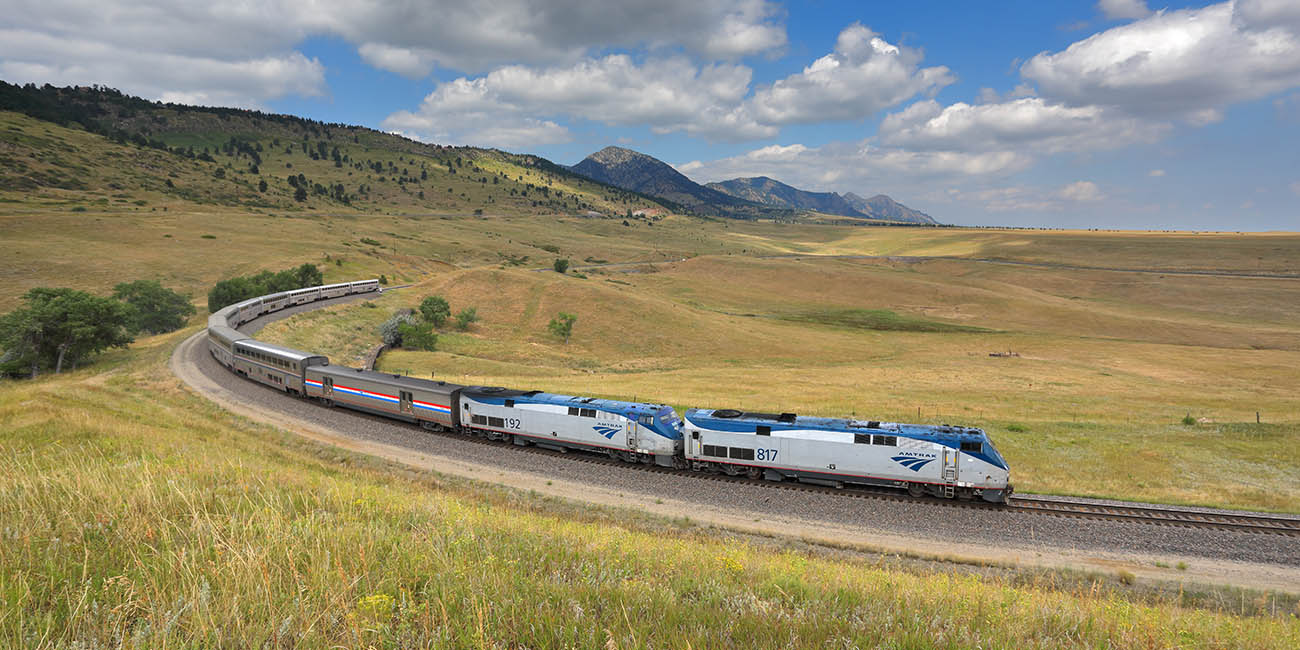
pixel 561 265
pixel 417 336
pixel 1017 428
pixel 435 310
pixel 466 317
pixel 391 330
pixel 1189 420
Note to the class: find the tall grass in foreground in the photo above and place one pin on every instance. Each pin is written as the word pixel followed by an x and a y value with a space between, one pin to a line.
pixel 135 515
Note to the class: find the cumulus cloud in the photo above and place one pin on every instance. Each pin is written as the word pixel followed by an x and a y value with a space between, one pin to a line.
pixel 856 166
pixel 1123 9
pixel 864 75
pixel 667 95
pixel 133 44
pixel 1026 124
pixel 1082 191
pixel 1187 64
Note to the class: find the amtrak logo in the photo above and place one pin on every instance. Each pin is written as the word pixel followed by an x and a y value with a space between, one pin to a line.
pixel 914 464
pixel 606 430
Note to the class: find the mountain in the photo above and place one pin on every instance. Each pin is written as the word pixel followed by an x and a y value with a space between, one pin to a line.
pixel 767 191
pixel 635 171
pixel 883 207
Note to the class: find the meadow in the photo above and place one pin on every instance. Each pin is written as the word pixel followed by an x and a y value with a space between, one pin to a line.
pixel 136 514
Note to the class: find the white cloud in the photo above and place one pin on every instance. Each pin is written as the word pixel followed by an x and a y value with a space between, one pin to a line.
pixel 1027 124
pixel 1295 187
pixel 667 95
pixel 192 79
pixel 412 63
pixel 864 75
pixel 1156 173
pixel 856 166
pixel 1187 64
pixel 188 48
pixel 1082 191
pixel 1123 9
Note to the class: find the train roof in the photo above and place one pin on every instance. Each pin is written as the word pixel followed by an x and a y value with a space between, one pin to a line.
pixel 725 419
pixel 279 350
pixel 538 397
pixel 386 378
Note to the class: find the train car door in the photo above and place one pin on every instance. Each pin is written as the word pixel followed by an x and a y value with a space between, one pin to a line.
pixel 406 406
pixel 631 433
pixel 327 386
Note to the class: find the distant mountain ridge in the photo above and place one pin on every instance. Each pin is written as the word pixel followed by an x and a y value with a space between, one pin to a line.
pixel 768 191
pixel 740 197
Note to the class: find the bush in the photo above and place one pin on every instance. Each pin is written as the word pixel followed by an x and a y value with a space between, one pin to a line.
pixel 465 318
pixel 435 310
pixel 1189 420
pixel 1017 428
pixel 417 336
pixel 561 265
pixel 391 330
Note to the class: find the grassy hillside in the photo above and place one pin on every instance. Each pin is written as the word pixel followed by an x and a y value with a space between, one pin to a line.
pixel 137 514
pixel 1108 363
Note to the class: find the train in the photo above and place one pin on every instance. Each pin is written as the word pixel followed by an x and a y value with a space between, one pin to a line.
pixel 950 462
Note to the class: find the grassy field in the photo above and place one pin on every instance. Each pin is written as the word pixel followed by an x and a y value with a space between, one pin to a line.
pixel 136 514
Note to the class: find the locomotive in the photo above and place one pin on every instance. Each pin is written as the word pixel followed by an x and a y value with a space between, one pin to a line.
pixel 942 461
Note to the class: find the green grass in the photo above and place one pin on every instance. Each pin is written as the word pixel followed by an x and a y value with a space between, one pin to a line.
pixel 882 320
pixel 136 514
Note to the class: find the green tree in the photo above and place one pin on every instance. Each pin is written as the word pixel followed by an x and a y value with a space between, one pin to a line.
pixel 300 194
pixel 418 336
pixel 465 318
pixel 61 326
pixel 261 185
pixel 561 265
pixel 562 325
pixel 435 310
pixel 155 308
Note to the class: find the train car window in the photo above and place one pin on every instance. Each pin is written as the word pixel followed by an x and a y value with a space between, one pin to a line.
pixel 573 410
pixel 496 422
pixel 588 413
pixel 763 430
pixel 742 453
pixel 888 441
pixel 329 381
pixel 479 419
pixel 975 447
pixel 510 403
pixel 861 439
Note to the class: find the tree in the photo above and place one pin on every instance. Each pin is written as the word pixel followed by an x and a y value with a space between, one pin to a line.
pixel 261 185
pixel 435 310
pixel 561 265
pixel 155 308
pixel 300 194
pixel 418 336
pixel 465 318
pixel 60 326
pixel 391 330
pixel 562 325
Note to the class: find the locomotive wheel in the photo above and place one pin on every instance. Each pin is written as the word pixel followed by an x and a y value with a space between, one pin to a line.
pixel 754 473
pixel 916 489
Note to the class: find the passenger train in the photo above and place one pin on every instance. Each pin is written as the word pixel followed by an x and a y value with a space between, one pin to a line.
pixel 943 461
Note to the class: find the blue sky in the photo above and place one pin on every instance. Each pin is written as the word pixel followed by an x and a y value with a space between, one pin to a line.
pixel 1110 113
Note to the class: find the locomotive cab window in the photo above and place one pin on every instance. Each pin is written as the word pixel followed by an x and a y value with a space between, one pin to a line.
pixel 973 447
pixel 647 420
